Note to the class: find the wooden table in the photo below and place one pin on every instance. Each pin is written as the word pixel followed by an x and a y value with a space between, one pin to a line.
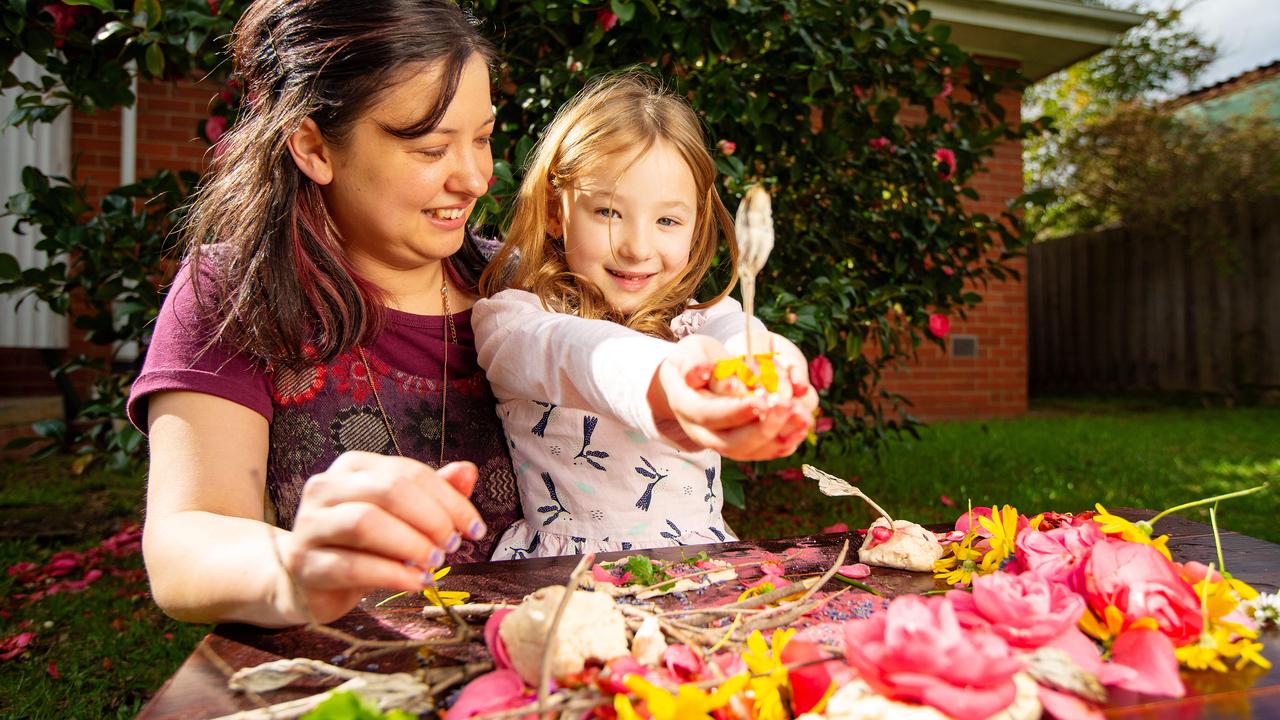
pixel 199 690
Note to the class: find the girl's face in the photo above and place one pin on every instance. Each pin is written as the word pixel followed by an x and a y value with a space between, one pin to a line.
pixel 629 229
pixel 400 204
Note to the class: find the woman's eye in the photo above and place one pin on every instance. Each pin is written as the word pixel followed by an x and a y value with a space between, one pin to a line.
pixel 486 140
pixel 434 152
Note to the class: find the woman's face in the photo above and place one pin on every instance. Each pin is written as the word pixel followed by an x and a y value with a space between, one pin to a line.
pixel 402 204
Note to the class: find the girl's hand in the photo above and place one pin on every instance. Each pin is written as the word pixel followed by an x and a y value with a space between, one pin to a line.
pixel 741 428
pixel 374 521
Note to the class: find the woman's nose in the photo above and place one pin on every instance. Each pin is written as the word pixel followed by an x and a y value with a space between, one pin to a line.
pixel 472 174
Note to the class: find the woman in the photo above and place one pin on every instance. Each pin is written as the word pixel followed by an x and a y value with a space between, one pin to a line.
pixel 314 360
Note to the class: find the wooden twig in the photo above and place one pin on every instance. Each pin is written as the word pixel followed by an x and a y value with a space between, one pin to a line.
pixel 544 670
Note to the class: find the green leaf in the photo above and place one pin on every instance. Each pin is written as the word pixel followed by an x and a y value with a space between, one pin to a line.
pixel 860 585
pixel 623 9
pixel 155 60
pixel 111 29
pixel 103 5
pixel 147 13
pixel 9 267
pixel 348 705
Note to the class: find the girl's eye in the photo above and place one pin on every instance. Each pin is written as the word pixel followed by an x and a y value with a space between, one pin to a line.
pixel 668 221
pixel 608 213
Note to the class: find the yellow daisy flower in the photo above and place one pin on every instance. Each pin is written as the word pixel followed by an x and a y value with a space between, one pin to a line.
pixel 959 567
pixel 1126 530
pixel 764 374
pixel 769 675
pixel 1003 526
pixel 689 701
pixel 439 597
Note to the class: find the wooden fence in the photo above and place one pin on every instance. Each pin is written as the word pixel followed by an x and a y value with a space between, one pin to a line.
pixel 1128 309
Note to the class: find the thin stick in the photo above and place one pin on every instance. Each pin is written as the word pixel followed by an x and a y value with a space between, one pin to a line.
pixel 466 609
pixel 700 573
pixel 544 670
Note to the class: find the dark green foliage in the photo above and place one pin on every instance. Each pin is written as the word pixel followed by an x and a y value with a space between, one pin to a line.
pixel 874 224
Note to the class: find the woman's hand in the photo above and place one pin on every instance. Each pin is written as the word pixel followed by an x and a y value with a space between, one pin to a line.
pixel 742 428
pixel 374 521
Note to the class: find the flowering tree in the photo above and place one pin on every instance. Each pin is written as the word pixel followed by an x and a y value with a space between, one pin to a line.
pixel 877 248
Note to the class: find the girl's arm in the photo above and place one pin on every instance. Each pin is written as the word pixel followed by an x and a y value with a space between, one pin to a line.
pixel 211 557
pixel 643 382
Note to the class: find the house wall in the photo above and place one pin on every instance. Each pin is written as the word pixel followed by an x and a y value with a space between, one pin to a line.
pixel 942 387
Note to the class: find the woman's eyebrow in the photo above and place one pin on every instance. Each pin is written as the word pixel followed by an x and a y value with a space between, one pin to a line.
pixel 452 131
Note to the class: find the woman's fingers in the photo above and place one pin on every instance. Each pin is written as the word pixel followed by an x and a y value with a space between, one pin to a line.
pixel 335 569
pixel 406 488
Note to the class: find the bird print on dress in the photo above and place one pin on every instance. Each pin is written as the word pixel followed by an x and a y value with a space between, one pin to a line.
pixel 556 510
pixel 655 476
pixel 519 552
pixel 718 534
pixel 589 427
pixel 541 428
pixel 672 536
pixel 711 491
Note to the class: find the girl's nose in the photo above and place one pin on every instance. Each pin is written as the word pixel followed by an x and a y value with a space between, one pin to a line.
pixel 634 243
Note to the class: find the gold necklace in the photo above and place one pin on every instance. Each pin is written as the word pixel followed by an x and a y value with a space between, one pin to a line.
pixel 448 334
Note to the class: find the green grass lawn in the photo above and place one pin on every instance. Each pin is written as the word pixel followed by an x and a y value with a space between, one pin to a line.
pixel 111 648
pixel 97 653
pixel 1065 456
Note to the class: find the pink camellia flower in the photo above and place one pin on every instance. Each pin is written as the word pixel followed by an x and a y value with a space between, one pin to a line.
pixel 945 499
pixel 214 127
pixel 492 640
pixel 879 143
pixel 836 528
pixel 1026 610
pixel 490 693
pixel 606 19
pixel 917 651
pixel 939 325
pixel 947 87
pixel 1059 554
pixel 682 662
pixel 811 679
pixel 1142 583
pixel 943 156
pixel 64 18
pixel 823 424
pixel 727 147
pixel 821 373
pixel 791 474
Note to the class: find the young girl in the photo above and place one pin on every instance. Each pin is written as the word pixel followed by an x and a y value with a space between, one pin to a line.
pixel 617 221
pixel 318 423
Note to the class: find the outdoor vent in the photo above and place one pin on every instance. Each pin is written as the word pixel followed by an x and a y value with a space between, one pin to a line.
pixel 964 346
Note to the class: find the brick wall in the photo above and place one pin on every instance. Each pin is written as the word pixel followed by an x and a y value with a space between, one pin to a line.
pixel 942 387
pixel 994 383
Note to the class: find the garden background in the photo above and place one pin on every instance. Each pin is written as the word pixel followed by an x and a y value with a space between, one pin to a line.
pixel 894 157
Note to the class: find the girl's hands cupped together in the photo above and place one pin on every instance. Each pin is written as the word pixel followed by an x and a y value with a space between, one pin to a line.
pixel 741 428
pixel 375 521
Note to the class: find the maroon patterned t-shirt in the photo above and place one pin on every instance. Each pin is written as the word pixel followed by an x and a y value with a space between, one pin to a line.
pixel 317 413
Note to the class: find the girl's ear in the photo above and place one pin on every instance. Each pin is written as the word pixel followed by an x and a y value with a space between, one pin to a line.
pixel 310 153
pixel 555 226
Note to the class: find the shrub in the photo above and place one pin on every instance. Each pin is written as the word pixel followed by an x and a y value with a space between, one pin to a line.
pixel 874 226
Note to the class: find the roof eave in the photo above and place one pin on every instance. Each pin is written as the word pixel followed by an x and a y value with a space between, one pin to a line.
pixel 1043 35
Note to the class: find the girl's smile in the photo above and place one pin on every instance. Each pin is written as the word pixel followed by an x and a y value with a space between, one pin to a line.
pixel 628 225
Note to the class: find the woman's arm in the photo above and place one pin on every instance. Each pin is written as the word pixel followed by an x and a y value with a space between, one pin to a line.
pixel 211 557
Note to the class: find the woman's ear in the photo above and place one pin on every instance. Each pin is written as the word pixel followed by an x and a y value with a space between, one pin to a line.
pixel 310 152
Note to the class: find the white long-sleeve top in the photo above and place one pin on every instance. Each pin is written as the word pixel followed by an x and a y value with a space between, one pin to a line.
pixel 592 470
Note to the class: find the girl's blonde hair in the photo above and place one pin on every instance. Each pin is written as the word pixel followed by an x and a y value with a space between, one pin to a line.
pixel 625 113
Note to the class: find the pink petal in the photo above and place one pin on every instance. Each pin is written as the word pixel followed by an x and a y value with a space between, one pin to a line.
pixel 600 575
pixel 618 670
pixel 836 528
pixel 1065 706
pixel 771 568
pixel 682 662
pixel 492 640
pixel 491 692
pixel 856 571
pixel 1150 653
pixel 946 500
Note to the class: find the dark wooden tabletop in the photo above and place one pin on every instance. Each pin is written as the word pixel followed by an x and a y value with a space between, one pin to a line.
pixel 199 688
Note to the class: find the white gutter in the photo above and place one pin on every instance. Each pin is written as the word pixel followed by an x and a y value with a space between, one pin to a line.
pixel 129 131
pixel 1043 35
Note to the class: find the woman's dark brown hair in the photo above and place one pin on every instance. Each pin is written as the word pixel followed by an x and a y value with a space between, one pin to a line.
pixel 284 291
